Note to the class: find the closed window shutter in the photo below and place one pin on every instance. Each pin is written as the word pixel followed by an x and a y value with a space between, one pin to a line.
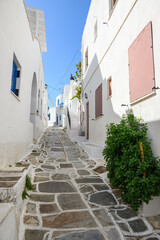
pixel 98 101
pixel 14 77
pixel 141 65
pixel 110 87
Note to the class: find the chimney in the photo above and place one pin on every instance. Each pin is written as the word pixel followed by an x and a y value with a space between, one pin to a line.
pixel 71 81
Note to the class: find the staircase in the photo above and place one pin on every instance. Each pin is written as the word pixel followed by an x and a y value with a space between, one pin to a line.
pixel 75 125
pixel 12 182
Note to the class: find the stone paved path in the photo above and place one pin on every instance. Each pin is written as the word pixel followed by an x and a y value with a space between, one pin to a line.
pixel 73 200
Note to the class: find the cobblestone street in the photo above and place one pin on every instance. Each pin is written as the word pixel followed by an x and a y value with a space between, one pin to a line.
pixel 73 200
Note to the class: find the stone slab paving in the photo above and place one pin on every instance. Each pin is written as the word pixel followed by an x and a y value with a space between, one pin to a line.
pixel 73 199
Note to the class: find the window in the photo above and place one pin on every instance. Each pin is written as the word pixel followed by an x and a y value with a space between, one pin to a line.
pixel 98 101
pixel 60 117
pixel 95 31
pixel 16 74
pixel 141 65
pixel 58 102
pixel 61 105
pixel 86 59
pixel 109 87
pixel 112 4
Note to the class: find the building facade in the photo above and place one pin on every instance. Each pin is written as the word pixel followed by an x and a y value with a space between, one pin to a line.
pixel 59 110
pixel 71 109
pixel 24 98
pixel 52 116
pixel 120 66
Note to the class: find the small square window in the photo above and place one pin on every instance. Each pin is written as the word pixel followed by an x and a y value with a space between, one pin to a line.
pixel 109 87
pixel 112 4
pixel 18 74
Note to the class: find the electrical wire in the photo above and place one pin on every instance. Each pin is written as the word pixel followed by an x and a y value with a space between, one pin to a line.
pixel 60 81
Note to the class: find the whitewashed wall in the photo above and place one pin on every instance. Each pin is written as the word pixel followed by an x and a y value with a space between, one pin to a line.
pixel 108 56
pixel 59 109
pixel 16 130
pixel 52 112
pixel 73 107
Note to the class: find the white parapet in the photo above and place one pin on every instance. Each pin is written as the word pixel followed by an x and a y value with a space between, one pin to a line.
pixel 8 223
pixel 152 208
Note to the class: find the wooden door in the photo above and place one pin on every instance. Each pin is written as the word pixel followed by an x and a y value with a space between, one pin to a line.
pixel 87 109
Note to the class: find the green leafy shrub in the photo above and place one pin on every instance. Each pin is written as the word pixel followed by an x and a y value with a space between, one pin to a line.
pixel 28 187
pixel 138 180
pixel 25 194
pixel 34 150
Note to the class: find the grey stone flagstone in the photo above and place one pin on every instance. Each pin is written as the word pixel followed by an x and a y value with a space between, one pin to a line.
pixel 138 225
pixel 71 201
pixel 56 187
pixel 32 234
pixel 87 235
pixel 103 198
pixel 89 180
pixel 42 198
pixel 69 220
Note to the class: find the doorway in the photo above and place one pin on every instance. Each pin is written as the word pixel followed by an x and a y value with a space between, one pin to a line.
pixel 87 111
pixel 33 105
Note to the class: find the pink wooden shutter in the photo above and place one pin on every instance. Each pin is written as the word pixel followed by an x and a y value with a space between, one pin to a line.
pixel 141 66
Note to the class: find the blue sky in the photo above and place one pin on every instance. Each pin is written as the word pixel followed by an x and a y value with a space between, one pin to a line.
pixel 64 23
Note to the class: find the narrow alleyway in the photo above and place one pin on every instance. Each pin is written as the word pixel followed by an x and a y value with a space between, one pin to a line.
pixel 72 198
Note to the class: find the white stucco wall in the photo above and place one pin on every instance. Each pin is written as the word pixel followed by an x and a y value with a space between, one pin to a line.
pixel 52 112
pixel 108 56
pixel 16 130
pixel 73 107
pixel 60 110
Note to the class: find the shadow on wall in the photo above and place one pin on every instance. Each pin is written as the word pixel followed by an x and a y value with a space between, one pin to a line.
pixel 154 135
pixel 97 126
pixel 99 103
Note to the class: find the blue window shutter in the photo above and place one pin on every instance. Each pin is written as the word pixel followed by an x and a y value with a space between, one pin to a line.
pixel 14 77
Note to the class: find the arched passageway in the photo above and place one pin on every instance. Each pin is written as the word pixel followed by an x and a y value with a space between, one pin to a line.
pixel 33 104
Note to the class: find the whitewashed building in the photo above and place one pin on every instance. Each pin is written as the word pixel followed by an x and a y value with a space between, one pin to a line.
pixel 23 97
pixel 71 109
pixel 120 66
pixel 59 110
pixel 52 116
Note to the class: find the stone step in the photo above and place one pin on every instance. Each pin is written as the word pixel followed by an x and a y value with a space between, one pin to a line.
pixel 12 169
pixel 12 182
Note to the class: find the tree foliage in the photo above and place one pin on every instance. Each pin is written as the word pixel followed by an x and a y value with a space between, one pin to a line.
pixel 77 78
pixel 138 180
